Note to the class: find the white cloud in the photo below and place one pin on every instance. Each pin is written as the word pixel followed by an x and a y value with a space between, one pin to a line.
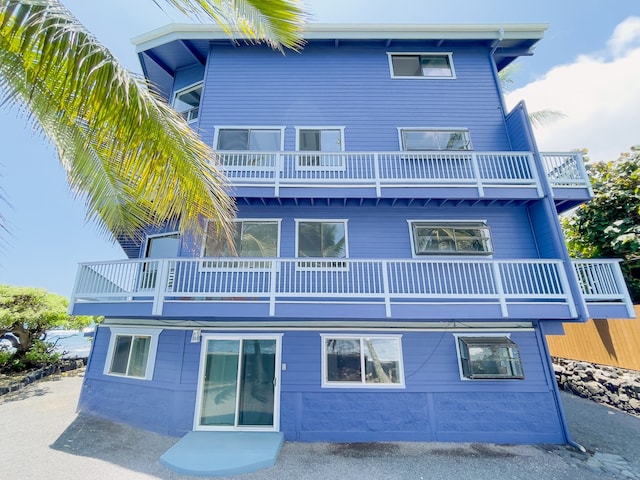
pixel 624 35
pixel 600 97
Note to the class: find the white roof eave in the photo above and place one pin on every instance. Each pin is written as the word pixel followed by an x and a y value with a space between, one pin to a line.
pixel 187 31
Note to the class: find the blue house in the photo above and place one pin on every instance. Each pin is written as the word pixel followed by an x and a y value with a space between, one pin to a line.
pixel 399 258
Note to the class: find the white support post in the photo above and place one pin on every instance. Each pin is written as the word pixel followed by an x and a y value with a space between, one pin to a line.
pixel 566 287
pixel 385 288
pixel 376 172
pixel 476 174
pixel 534 173
pixel 161 286
pixel 622 288
pixel 497 277
pixel 72 300
pixel 272 287
pixel 278 168
pixel 577 157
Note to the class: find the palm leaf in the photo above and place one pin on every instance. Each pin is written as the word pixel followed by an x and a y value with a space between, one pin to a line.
pixel 131 157
pixel 277 22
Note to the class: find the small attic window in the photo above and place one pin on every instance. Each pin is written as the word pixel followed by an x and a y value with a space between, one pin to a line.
pixel 489 357
pixel 421 65
pixel 187 102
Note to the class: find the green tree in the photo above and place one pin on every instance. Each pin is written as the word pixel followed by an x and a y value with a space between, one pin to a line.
pixel 609 225
pixel 28 313
pixel 132 159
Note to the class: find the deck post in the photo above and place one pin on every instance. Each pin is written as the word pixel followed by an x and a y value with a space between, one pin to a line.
pixel 161 286
pixel 497 277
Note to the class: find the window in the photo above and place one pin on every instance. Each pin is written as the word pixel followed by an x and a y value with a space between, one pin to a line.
pixel 252 238
pixel 187 102
pixel 421 65
pixel 249 139
pixel 489 357
pixel 132 354
pixel 442 238
pixel 359 361
pixel 321 239
pixel 434 139
pixel 320 139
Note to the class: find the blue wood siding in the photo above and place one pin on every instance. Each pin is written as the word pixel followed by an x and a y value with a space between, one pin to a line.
pixel 436 404
pixel 510 227
pixel 186 77
pixel 350 86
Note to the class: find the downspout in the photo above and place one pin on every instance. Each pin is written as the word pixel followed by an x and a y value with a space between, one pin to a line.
pixel 556 391
pixel 496 80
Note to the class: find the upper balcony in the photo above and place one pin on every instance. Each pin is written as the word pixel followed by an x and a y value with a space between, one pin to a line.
pixel 355 289
pixel 443 175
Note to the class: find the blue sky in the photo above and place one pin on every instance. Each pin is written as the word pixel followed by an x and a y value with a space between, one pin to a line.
pixel 587 66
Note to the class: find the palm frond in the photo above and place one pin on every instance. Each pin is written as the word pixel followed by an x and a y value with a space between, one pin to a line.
pixel 277 22
pixel 545 117
pixel 132 158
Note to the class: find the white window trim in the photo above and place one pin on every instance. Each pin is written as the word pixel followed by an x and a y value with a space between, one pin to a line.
pixel 384 386
pixel 340 168
pixel 263 264
pixel 434 129
pixel 321 127
pixel 410 223
pixel 160 235
pixel 279 365
pixel 248 127
pixel 193 86
pixel 301 266
pixel 458 353
pixel 154 333
pixel 408 77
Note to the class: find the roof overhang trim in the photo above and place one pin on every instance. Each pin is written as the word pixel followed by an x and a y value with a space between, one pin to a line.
pixel 178 31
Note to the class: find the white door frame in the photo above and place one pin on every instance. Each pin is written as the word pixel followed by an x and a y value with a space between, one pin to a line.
pixel 276 390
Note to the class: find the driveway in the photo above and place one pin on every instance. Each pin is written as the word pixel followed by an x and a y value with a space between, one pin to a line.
pixel 43 437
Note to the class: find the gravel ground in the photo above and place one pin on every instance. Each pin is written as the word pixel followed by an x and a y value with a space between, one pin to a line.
pixel 43 437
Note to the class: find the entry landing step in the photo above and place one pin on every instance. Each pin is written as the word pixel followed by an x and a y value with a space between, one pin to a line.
pixel 219 454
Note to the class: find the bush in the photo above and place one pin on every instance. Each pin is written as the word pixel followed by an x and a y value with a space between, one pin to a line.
pixel 41 354
pixel 9 362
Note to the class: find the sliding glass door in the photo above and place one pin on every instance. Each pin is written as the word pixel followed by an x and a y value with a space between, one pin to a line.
pixel 238 385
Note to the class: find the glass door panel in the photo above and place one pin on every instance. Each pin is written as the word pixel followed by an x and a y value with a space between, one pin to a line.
pixel 256 379
pixel 220 383
pixel 238 387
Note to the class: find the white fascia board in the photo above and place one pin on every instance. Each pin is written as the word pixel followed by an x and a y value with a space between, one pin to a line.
pixel 187 31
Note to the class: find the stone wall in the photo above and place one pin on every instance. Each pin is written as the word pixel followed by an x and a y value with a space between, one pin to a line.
pixel 613 386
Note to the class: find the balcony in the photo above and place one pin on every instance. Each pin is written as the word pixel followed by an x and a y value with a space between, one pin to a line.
pixel 438 175
pixel 321 288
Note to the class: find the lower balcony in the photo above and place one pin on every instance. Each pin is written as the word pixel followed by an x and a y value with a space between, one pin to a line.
pixel 321 288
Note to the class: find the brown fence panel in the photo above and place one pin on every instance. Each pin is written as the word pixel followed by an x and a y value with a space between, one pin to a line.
pixel 614 342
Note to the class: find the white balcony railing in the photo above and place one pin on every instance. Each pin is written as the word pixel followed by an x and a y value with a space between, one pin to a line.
pixel 381 170
pixel 323 281
pixel 566 170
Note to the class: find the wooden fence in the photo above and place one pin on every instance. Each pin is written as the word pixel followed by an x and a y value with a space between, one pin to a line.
pixel 614 342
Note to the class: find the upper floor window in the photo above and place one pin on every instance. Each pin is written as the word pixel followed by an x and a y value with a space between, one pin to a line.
pixel 443 238
pixel 489 357
pixel 132 352
pixel 362 361
pixel 252 238
pixel 422 139
pixel 421 65
pixel 187 102
pixel 320 139
pixel 249 139
pixel 321 238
